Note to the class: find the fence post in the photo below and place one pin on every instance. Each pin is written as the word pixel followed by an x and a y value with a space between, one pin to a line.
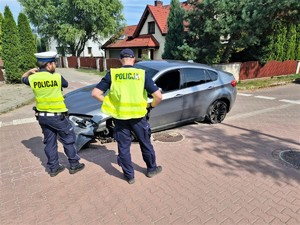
pixel 298 67
pixel 65 59
pixel 59 62
pixel 97 64
pixel 104 64
pixel 78 62
pixel 1 70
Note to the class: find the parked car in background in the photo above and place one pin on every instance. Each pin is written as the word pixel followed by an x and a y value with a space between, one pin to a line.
pixel 191 92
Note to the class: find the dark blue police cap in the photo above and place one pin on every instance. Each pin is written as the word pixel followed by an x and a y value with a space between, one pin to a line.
pixel 126 53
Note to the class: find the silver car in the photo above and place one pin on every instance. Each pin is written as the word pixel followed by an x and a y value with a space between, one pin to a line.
pixel 191 92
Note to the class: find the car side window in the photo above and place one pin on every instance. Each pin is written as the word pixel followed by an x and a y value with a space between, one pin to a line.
pixel 169 81
pixel 213 75
pixel 193 77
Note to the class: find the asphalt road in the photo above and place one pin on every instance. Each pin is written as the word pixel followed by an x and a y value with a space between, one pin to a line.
pixel 228 173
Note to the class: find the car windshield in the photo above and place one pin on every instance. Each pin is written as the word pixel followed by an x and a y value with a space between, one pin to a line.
pixel 149 71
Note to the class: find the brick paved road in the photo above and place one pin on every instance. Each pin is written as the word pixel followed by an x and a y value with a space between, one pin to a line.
pixel 227 173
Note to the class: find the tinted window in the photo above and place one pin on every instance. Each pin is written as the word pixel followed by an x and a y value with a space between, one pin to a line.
pixel 213 75
pixel 195 77
pixel 169 81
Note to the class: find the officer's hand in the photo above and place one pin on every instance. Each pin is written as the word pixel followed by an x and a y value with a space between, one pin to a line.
pixel 29 72
pixel 33 70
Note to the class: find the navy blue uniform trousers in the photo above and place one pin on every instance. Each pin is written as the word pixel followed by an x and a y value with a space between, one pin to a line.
pixel 58 128
pixel 123 136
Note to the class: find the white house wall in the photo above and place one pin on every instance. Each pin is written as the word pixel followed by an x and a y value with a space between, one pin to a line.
pixel 158 36
pixel 96 48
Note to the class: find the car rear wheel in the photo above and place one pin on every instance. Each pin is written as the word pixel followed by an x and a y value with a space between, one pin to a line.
pixel 217 112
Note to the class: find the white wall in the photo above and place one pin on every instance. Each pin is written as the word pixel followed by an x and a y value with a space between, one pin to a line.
pixel 96 48
pixel 158 36
pixel 233 68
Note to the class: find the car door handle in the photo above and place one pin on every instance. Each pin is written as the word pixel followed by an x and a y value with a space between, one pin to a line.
pixel 178 95
pixel 210 87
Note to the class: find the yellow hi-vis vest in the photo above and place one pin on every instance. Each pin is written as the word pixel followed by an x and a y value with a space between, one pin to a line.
pixel 127 97
pixel 47 90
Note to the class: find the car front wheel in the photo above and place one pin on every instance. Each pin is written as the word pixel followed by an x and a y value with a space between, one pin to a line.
pixel 217 112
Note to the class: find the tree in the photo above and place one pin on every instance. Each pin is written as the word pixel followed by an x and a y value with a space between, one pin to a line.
pixel 73 22
pixel 297 53
pixel 41 44
pixel 10 48
pixel 175 35
pixel 291 43
pixel 1 24
pixel 218 28
pixel 280 43
pixel 28 47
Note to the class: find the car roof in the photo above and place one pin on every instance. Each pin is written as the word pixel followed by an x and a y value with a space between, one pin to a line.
pixel 167 64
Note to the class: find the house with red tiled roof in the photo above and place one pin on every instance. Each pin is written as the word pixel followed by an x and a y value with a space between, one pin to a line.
pixel 147 39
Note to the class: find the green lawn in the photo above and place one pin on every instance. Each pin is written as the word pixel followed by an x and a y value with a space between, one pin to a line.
pixel 268 82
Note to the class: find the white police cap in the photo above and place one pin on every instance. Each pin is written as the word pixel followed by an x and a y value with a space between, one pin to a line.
pixel 46 56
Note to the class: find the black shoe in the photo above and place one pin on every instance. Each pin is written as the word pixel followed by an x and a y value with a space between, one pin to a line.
pixel 78 167
pixel 59 169
pixel 157 170
pixel 131 181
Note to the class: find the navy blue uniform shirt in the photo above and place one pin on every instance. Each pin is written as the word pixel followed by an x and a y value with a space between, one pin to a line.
pixel 64 82
pixel 105 83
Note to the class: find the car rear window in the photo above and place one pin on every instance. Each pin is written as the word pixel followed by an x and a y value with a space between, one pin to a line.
pixel 213 75
pixel 150 72
pixel 193 77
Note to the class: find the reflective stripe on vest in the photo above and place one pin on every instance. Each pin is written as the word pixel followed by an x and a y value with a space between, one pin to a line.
pixel 127 97
pixel 47 90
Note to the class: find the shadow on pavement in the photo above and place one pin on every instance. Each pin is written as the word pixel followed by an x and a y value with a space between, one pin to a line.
pixel 252 151
pixel 36 147
pixel 107 159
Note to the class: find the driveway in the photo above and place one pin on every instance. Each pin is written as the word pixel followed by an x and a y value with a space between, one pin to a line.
pixel 227 173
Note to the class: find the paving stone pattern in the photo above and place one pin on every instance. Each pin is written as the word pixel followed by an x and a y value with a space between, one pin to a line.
pixel 218 174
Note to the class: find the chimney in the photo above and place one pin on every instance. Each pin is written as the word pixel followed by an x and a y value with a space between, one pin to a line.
pixel 158 3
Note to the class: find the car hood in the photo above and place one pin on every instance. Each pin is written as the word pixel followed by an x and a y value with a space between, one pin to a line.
pixel 80 101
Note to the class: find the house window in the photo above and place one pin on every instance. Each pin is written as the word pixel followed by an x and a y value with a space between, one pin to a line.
pixel 151 28
pixel 89 50
pixel 60 50
pixel 151 54
pixel 140 53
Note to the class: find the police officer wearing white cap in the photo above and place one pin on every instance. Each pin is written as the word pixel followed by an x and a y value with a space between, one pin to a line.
pixel 51 112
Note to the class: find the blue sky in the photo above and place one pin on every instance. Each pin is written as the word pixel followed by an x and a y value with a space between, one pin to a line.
pixel 133 9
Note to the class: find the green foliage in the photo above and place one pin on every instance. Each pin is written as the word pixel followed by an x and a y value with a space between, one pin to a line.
pixel 219 28
pixel 175 35
pixel 145 57
pixel 281 44
pixel 187 52
pixel 291 43
pixel 41 44
pixel 297 53
pixel 28 47
pixel 10 48
pixel 73 22
pixel 1 24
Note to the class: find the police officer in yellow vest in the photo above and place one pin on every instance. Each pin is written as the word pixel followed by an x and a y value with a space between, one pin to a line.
pixel 126 102
pixel 51 112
